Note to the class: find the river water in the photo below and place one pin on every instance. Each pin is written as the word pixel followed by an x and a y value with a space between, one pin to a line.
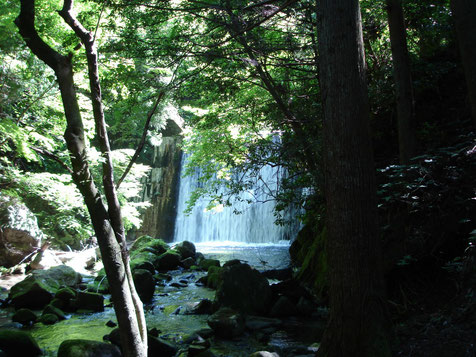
pixel 168 310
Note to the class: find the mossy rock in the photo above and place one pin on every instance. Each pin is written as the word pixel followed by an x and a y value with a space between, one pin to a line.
pixel 186 249
pixel 163 276
pixel 100 284
pixel 31 293
pixel 48 319
pixel 244 289
pixel 143 255
pixel 227 323
pixel 313 270
pixel 160 347
pixel 144 283
pixel 207 263
pixel 142 263
pixel 58 276
pixel 60 304
pixel 89 301
pixel 86 348
pixel 38 289
pixel 213 276
pixel 169 260
pixel 25 317
pixel 50 309
pixel 18 343
pixel 65 294
pixel 150 244
pixel 187 263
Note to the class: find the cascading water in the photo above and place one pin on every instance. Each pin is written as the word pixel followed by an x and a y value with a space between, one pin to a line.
pixel 254 224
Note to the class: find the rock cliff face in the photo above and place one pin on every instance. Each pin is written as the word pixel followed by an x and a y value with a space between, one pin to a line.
pixel 161 186
pixel 19 232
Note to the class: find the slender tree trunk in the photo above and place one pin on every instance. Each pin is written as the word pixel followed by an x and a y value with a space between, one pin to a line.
pixel 358 321
pixel 403 81
pixel 464 13
pixel 114 256
pixel 114 208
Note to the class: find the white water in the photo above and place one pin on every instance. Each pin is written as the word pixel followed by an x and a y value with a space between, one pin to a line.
pixel 255 223
pixel 261 256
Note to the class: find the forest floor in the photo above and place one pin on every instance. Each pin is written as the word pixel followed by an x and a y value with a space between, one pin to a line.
pixel 438 318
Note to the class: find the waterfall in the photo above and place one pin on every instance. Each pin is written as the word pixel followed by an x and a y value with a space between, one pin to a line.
pixel 254 223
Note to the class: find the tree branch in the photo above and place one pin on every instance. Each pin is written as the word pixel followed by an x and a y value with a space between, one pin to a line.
pixel 26 26
pixel 142 140
pixel 53 157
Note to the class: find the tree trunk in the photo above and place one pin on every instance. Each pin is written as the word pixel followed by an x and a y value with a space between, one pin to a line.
pixel 114 256
pixel 464 13
pixel 403 81
pixel 358 323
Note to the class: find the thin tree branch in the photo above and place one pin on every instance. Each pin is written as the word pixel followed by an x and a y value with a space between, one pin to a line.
pixel 34 101
pixel 53 157
pixel 142 140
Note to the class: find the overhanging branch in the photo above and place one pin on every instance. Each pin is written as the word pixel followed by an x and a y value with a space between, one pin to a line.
pixel 142 140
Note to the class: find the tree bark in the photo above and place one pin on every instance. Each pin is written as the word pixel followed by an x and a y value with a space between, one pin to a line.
pixel 114 256
pixel 464 13
pixel 358 321
pixel 403 81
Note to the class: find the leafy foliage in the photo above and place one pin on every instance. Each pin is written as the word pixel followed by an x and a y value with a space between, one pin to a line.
pixel 427 209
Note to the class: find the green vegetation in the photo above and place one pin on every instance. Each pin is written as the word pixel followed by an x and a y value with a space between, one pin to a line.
pixel 251 82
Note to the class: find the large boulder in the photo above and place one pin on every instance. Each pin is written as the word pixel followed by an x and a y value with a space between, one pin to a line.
pixel 284 307
pixel 18 343
pixel 89 301
pixel 213 276
pixel 156 345
pixel 186 249
pixel 160 347
pixel 148 244
pixel 50 309
pixel 86 348
pixel 25 317
pixel 141 262
pixel 244 289
pixel 169 260
pixel 58 276
pixel 38 288
pixel 227 323
pixel 48 319
pixel 144 283
pixel 19 233
pixel 31 293
pixel 205 264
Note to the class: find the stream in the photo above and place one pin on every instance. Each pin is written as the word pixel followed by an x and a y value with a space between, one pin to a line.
pixel 167 312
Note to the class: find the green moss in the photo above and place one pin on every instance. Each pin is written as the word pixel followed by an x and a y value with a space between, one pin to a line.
pixel 148 244
pixel 48 319
pixel 205 264
pixel 100 283
pixel 18 343
pixel 213 276
pixel 314 263
pixel 170 309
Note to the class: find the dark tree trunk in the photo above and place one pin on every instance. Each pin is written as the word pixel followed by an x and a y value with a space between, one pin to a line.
pixel 464 13
pixel 403 81
pixel 358 321
pixel 107 224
